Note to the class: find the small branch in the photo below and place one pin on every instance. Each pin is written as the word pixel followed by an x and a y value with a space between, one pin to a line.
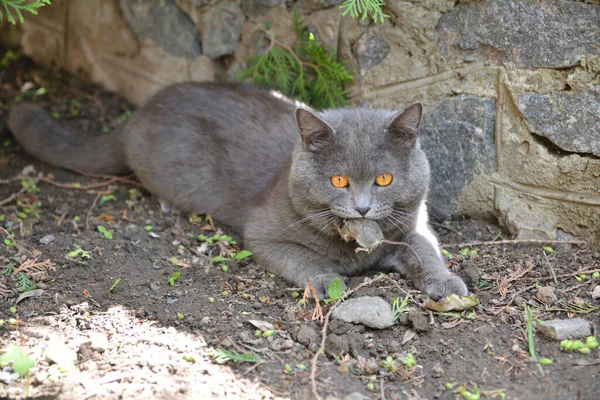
pixel 516 241
pixel 313 370
pixel 87 217
pixel 551 269
pixel 12 197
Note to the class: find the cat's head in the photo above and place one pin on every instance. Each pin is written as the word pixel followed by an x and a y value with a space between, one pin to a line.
pixel 359 163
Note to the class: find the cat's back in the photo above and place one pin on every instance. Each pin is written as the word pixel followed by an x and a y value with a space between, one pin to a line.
pixel 205 146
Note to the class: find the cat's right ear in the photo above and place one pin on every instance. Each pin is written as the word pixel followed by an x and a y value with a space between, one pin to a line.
pixel 314 130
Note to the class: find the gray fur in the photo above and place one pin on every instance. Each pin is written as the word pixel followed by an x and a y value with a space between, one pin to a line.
pixel 235 151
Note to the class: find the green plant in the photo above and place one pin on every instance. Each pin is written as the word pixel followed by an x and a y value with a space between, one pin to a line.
pixel 399 306
pixel 9 243
pixel 221 356
pixel 109 197
pixel 79 252
pixel 216 238
pixel 114 285
pixel 357 8
pixel 21 362
pixel 529 329
pixel 408 360
pixel 306 70
pixel 17 7
pixel 107 234
pixel 334 290
pixel 174 277
pixel 389 364
pixel 24 284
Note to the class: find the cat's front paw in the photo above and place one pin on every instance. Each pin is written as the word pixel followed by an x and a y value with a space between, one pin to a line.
pixel 321 284
pixel 440 287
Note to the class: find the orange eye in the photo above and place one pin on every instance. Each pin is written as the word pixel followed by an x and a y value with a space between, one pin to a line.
pixel 339 181
pixel 383 179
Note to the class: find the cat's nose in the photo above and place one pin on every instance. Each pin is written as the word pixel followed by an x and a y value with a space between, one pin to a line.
pixel 363 210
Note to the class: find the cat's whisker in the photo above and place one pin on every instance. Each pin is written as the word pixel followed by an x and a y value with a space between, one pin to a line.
pixel 334 219
pixel 406 228
pixel 311 217
pixel 396 225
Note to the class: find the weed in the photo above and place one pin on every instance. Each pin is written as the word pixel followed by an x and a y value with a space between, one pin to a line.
pixel 408 360
pixel 216 238
pixel 180 316
pixel 9 57
pixel 107 198
pixel 306 71
pixel 126 114
pixel 447 254
pixel 334 290
pixel 17 7
pixel 221 356
pixel 365 7
pixel 107 234
pixel 9 243
pixel 174 277
pixel 75 108
pixel 79 252
pixel 24 284
pixel 114 285
pixel 399 306
pixel 389 364
pixel 21 363
pixel 148 228
pixel 529 328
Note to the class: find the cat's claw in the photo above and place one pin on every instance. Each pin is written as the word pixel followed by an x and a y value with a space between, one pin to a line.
pixel 440 287
pixel 321 284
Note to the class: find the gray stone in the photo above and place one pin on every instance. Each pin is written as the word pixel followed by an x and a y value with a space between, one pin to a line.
pixel 570 120
pixel 165 24
pixel 370 49
pixel 257 8
pixel 458 137
pixel 560 329
pixel 337 344
pixel 596 293
pixel 222 29
pixel 373 312
pixel 47 239
pixel 307 335
pixel 546 295
pixel 419 321
pixel 530 34
pixel 318 4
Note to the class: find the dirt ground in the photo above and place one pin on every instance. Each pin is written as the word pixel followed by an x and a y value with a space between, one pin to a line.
pixel 150 336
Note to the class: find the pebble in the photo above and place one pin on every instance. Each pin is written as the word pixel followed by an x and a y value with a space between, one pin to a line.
pixel 560 329
pixel 337 344
pixel 596 292
pixel 307 335
pixel 419 321
pixel 437 371
pixel 373 312
pixel 546 295
pixel 47 239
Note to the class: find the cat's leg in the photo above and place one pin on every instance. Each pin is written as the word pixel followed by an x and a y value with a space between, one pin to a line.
pixel 297 264
pixel 423 264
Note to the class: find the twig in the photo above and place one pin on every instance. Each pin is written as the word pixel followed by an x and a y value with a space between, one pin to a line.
pixel 313 370
pixel 13 196
pixel 551 269
pixel 589 271
pixel 87 217
pixel 516 241
pixel 122 179
pixel 246 372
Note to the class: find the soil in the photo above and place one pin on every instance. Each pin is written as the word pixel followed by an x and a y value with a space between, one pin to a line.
pixel 149 335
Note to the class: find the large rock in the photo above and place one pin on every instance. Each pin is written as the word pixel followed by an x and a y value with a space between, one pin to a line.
pixel 257 8
pixel 165 24
pixel 222 29
pixel 458 137
pixel 370 50
pixel 530 34
pixel 373 312
pixel 571 120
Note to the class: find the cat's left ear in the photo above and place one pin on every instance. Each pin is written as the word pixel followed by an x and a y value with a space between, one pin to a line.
pixel 405 126
pixel 314 130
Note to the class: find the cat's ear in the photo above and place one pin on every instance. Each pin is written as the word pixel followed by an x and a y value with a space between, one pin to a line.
pixel 405 126
pixel 313 129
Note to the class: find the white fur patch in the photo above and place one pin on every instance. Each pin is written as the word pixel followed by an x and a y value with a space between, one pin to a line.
pixel 423 228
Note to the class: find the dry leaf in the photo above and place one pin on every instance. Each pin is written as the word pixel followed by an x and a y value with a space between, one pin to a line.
pixel 453 303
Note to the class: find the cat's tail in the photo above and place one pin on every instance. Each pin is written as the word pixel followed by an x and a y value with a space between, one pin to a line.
pixel 42 137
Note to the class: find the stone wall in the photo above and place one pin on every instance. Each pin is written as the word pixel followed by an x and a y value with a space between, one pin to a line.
pixel 511 88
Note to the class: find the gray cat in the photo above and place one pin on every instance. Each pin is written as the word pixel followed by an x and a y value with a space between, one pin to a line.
pixel 287 184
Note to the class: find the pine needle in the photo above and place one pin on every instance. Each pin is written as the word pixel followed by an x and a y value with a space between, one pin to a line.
pixel 221 356
pixel 306 71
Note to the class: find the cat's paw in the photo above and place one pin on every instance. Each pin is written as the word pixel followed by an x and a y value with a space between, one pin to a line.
pixel 321 284
pixel 440 287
